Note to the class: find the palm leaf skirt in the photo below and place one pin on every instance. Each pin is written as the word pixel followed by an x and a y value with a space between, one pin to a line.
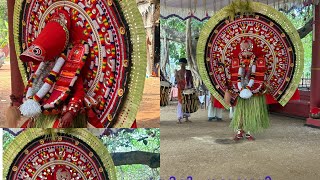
pixel 251 113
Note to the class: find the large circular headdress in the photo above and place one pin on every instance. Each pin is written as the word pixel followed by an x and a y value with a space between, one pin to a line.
pixel 115 67
pixel 272 37
pixel 76 154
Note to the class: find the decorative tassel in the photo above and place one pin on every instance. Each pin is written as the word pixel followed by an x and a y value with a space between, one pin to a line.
pixel 30 108
pixel 13 116
pixel 245 94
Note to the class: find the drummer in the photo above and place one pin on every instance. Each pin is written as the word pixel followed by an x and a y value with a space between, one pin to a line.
pixel 184 81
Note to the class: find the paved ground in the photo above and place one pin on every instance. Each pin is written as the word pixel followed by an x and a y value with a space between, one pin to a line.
pixel 287 150
pixel 149 111
pixel 148 115
pixel 5 89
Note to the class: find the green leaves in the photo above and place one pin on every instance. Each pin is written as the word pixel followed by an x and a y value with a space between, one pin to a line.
pixel 7 139
pixel 124 140
pixel 4 32
pixel 299 17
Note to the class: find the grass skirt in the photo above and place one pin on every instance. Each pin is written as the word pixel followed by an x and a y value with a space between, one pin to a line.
pixel 251 114
pixel 47 121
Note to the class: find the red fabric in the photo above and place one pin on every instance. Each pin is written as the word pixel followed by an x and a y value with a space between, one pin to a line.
pixel 180 90
pixel 93 120
pixel 217 104
pixel 134 125
pixel 182 83
pixel 78 92
pixel 66 75
pixel 295 96
pixel 314 110
pixel 25 124
pixel 76 33
pixel 271 100
pixel 56 124
pixel 51 40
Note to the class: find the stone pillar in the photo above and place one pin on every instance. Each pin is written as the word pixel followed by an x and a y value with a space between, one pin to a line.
pixel 315 67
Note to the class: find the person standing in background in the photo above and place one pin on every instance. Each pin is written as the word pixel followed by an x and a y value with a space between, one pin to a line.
pixel 184 81
pixel 215 109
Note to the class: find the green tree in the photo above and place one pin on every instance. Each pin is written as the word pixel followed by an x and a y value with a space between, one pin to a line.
pixel 4 35
pixel 299 17
pixel 127 140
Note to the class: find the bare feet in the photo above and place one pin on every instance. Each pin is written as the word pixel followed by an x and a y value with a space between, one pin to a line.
pixel 187 119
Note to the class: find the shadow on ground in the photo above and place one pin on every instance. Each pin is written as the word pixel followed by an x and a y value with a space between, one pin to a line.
pixel 204 150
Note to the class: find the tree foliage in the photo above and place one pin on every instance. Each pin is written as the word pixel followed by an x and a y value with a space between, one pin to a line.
pixel 4 35
pixel 7 139
pixel 140 139
pixel 177 50
pixel 299 17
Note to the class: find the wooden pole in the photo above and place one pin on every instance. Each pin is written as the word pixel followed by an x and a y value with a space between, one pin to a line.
pixel 315 67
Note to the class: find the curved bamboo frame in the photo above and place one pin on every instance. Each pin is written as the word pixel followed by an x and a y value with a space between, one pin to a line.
pixel 273 14
pixel 130 105
pixel 27 136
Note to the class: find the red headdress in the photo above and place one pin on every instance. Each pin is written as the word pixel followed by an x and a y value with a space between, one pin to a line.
pixel 52 40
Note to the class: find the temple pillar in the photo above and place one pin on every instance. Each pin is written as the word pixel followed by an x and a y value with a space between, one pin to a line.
pixel 315 67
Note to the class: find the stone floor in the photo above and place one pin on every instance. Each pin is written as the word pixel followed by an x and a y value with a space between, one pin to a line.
pixel 147 117
pixel 287 150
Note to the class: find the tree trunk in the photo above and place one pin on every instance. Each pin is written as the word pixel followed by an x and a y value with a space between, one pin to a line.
pixel 306 29
pixel 191 52
pixel 150 49
pixel 136 157
pixel 17 85
pixel 164 56
pixel 172 34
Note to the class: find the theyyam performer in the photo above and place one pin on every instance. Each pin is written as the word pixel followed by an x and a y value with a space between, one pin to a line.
pixel 83 62
pixel 250 55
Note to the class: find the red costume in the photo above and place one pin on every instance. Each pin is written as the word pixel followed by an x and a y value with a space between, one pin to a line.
pixel 216 103
pixel 80 63
pixel 183 83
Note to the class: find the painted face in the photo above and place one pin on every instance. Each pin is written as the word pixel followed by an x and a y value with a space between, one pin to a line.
pixel 246 46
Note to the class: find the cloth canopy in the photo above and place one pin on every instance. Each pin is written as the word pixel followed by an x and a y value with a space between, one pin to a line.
pixel 204 9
